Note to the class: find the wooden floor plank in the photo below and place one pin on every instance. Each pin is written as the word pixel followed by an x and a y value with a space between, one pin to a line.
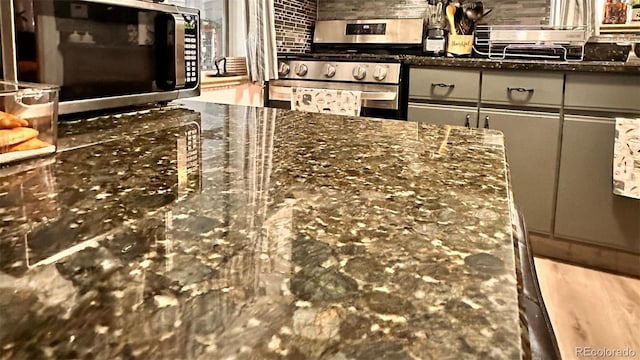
pixel 590 308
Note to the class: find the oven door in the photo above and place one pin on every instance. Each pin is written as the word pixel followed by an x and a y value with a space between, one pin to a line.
pixel 373 96
pixel 104 53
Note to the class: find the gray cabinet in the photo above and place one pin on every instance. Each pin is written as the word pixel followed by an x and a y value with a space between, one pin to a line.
pixel 532 141
pixel 573 190
pixel 587 209
pixel 443 114
pixel 531 138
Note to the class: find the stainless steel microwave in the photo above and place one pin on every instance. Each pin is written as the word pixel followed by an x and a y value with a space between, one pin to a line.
pixel 102 53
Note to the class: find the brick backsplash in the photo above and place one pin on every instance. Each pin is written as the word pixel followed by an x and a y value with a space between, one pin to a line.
pixel 293 24
pixel 505 12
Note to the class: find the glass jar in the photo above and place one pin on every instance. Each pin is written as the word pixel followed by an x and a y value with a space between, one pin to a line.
pixel 28 120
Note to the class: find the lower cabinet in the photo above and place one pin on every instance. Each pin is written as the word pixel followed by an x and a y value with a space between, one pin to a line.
pixel 443 114
pixel 587 209
pixel 532 141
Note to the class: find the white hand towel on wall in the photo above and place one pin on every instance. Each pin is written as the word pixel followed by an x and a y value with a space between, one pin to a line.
pixel 328 101
pixel 626 158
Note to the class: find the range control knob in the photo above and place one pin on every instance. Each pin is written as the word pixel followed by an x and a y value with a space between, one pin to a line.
pixel 359 72
pixel 283 69
pixel 329 71
pixel 380 73
pixel 301 69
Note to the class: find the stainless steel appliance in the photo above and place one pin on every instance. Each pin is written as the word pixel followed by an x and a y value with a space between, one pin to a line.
pixel 102 53
pixel 359 55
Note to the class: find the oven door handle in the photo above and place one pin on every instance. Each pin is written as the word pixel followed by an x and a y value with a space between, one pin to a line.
pixel 366 95
pixel 379 95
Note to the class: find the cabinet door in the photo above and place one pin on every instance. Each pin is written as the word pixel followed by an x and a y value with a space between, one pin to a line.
pixel 531 141
pixel 587 210
pixel 443 114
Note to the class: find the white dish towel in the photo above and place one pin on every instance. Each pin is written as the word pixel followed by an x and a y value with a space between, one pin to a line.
pixel 327 101
pixel 626 158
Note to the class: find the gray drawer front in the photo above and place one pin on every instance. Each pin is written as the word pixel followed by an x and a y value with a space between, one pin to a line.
pixel 444 85
pixel 522 89
pixel 608 92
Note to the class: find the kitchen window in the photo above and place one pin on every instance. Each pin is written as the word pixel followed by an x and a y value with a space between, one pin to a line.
pixel 608 22
pixel 222 28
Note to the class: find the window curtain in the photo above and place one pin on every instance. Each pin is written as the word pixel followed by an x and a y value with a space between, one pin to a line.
pixel 262 60
pixel 573 13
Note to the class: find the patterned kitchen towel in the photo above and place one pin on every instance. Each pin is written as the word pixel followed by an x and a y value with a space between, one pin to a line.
pixel 327 101
pixel 626 158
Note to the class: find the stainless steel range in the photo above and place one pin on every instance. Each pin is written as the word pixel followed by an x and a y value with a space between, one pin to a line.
pixel 356 55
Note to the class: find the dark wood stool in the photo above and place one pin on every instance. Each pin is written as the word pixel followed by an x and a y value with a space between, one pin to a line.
pixel 542 338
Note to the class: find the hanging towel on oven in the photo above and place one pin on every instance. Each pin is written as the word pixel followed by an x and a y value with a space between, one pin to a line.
pixel 328 101
pixel 626 158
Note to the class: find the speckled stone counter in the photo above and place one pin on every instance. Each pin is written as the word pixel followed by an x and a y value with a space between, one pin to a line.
pixel 222 232
pixel 537 65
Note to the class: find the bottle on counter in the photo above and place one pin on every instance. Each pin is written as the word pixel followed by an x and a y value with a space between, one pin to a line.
pixel 435 41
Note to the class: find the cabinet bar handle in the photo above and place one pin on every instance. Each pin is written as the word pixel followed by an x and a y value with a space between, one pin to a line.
pixel 519 89
pixel 443 85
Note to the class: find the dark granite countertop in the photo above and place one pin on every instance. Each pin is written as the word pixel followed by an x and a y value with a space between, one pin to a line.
pixel 533 65
pixel 224 232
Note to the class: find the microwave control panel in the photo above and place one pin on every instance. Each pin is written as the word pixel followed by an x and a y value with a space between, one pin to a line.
pixel 192 67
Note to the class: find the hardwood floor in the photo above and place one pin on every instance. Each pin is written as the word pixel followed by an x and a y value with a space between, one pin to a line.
pixel 590 308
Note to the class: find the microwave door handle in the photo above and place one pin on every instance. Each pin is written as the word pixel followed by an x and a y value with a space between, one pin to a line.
pixel 181 76
pixel 170 45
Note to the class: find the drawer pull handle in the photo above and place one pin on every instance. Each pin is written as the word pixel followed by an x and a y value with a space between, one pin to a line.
pixel 443 85
pixel 521 90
